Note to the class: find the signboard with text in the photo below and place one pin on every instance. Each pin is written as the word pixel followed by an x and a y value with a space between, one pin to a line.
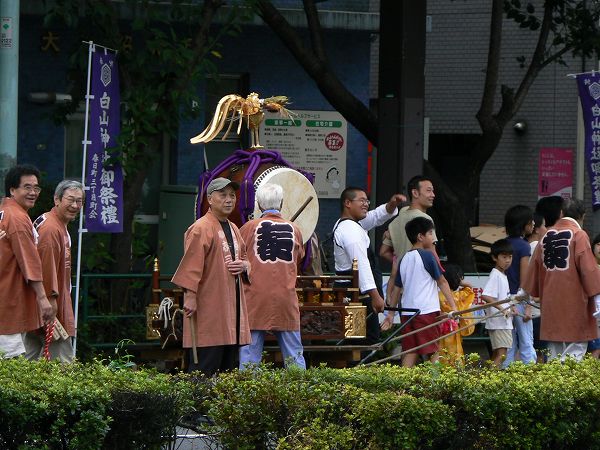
pixel 555 174
pixel 6 32
pixel 104 200
pixel 315 141
pixel 588 85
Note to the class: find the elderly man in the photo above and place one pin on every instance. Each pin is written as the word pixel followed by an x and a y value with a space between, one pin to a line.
pixel 54 247
pixel 564 274
pixel 23 302
pixel 211 272
pixel 351 241
pixel 275 251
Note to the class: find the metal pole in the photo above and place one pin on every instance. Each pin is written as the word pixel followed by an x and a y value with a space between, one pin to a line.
pixel 81 230
pixel 9 85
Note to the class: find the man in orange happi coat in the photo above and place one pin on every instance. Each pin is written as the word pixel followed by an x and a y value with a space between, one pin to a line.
pixel 564 274
pixel 23 302
pixel 54 247
pixel 275 250
pixel 211 272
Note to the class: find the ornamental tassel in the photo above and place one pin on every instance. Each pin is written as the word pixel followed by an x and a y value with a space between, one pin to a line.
pixel 48 340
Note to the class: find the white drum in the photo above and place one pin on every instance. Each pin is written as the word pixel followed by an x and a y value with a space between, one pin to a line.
pixel 297 190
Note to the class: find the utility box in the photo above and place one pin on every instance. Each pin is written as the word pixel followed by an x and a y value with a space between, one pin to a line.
pixel 176 214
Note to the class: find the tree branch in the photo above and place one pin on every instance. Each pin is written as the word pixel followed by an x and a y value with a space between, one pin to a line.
pixel 209 8
pixel 486 108
pixel 328 83
pixel 314 27
pixel 508 110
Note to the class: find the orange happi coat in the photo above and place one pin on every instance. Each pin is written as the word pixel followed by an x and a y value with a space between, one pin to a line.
pixel 274 250
pixel 564 274
pixel 54 248
pixel 19 264
pixel 202 270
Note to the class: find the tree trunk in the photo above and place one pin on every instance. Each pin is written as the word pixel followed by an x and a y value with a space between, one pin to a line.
pixel 451 221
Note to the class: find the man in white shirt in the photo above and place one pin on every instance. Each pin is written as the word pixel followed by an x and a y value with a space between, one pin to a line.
pixel 351 241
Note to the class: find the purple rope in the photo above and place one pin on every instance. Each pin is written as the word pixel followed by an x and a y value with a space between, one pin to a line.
pixel 253 159
pixel 307 256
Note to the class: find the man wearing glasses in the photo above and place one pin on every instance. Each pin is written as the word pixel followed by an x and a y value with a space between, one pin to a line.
pixel 23 303
pixel 351 241
pixel 54 248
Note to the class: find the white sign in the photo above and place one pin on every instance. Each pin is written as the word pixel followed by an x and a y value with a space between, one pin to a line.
pixel 315 141
pixel 6 32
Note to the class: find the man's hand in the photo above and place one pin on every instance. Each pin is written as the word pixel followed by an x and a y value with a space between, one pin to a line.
pixel 388 321
pixel 394 201
pixel 189 303
pixel 236 267
pixel 47 311
pixel 54 304
pixel 377 303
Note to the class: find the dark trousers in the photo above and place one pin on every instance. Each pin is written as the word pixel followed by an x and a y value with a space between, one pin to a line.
pixel 212 360
pixel 373 330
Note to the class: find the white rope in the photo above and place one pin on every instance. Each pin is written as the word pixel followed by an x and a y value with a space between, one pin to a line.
pixel 164 310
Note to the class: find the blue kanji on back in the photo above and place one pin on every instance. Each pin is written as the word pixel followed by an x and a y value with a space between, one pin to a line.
pixel 274 241
pixel 556 249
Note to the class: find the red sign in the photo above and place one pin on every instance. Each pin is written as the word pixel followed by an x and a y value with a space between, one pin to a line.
pixel 555 172
pixel 334 141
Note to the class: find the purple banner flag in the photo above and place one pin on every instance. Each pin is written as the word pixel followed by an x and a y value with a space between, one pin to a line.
pixel 589 95
pixel 104 200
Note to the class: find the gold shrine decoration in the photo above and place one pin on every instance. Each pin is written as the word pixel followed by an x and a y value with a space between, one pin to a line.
pixel 355 322
pixel 151 314
pixel 251 109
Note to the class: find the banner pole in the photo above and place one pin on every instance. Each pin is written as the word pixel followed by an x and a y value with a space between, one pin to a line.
pixel 81 230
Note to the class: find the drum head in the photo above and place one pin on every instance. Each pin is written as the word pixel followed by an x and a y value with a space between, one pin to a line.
pixel 296 191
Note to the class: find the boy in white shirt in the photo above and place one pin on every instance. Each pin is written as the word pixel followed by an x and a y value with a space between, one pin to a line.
pixel 499 326
pixel 420 275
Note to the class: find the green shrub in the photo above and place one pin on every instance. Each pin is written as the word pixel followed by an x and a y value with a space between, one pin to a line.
pixel 45 405
pixel 526 406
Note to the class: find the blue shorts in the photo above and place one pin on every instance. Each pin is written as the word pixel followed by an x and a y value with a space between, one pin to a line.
pixel 594 344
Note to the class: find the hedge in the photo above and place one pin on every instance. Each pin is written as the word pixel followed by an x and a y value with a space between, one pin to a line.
pixel 45 405
pixel 51 406
pixel 526 406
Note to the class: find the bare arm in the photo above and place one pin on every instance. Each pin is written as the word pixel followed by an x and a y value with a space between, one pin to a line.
pixel 523 265
pixel 376 300
pixel 393 203
pixel 390 284
pixel 47 307
pixel 488 299
pixel 393 300
pixel 445 288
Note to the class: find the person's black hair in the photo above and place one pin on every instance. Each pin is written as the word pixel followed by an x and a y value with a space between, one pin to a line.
pixel 596 241
pixel 573 208
pixel 14 174
pixel 501 246
pixel 454 275
pixel 349 194
pixel 516 219
pixel 416 226
pixel 550 208
pixel 538 220
pixel 413 183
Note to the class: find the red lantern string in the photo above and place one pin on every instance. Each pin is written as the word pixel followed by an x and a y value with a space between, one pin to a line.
pixel 49 334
